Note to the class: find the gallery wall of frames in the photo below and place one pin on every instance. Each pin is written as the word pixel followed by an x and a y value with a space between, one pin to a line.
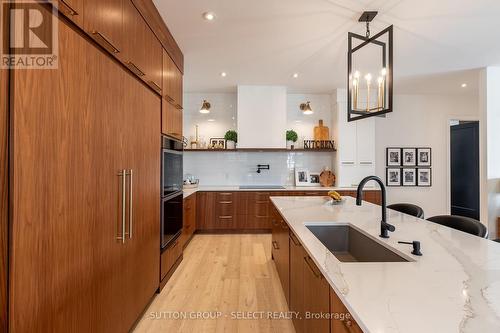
pixel 409 166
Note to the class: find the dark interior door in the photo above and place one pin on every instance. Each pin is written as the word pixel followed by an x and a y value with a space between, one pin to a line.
pixel 465 169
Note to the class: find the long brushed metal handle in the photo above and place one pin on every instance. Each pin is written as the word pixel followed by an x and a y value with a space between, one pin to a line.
pixel 294 240
pixel 155 86
pixel 131 205
pixel 134 68
pixel 104 40
pixel 69 10
pixel 123 175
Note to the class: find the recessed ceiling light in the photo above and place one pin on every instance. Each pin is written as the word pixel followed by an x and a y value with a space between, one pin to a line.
pixel 295 75
pixel 223 74
pixel 209 16
pixel 464 85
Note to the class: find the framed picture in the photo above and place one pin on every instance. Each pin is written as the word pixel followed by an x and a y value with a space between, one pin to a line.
pixel 301 177
pixel 217 143
pixel 424 157
pixel 409 156
pixel 409 177
pixel 314 178
pixel 393 177
pixel 424 177
pixel 393 156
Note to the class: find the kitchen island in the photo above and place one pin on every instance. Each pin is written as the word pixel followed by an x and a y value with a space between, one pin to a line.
pixel 453 287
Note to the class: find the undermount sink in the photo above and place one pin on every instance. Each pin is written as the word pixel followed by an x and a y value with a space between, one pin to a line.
pixel 261 187
pixel 350 245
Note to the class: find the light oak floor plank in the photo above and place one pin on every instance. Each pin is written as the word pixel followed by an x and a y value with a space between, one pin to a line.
pixel 220 274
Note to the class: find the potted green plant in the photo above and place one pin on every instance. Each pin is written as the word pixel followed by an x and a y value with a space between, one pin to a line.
pixel 231 139
pixel 291 138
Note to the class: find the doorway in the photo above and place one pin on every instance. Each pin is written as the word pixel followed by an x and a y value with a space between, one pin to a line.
pixel 464 168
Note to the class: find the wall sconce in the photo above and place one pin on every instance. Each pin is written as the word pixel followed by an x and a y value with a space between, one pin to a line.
pixel 306 108
pixel 205 108
pixel 369 72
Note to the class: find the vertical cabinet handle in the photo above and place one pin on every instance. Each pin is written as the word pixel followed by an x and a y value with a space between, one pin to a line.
pixel 123 175
pixel 131 204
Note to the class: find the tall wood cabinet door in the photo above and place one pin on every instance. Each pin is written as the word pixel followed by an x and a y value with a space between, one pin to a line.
pixel 66 261
pixel 72 9
pixel 316 297
pixel 141 115
pixel 296 298
pixel 104 21
pixel 135 46
pixel 154 69
pixel 169 75
pixel 346 324
pixel 205 210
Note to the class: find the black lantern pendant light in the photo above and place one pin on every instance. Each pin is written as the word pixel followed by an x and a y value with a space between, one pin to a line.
pixel 369 72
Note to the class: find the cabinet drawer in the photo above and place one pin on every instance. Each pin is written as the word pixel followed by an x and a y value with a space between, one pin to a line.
pixel 170 256
pixel 259 196
pixel 224 197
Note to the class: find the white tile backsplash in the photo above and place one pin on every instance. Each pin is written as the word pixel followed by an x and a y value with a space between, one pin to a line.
pixel 239 168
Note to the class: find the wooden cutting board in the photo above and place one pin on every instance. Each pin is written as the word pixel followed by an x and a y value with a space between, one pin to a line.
pixel 321 132
pixel 326 178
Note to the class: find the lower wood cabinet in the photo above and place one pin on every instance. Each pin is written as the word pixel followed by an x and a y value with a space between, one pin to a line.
pixel 296 299
pixel 345 323
pixel 316 298
pixel 169 257
pixel 281 250
pixel 189 220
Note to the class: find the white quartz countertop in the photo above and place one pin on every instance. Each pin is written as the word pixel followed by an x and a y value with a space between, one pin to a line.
pixel 453 287
pixel 188 192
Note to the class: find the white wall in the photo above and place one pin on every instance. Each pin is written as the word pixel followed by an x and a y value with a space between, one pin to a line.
pixel 235 168
pixel 223 112
pixel 423 121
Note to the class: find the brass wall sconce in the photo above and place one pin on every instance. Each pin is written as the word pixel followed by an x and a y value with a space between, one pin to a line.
pixel 306 108
pixel 205 108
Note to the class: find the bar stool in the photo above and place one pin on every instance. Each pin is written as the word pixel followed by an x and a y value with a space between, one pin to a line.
pixel 462 223
pixel 407 208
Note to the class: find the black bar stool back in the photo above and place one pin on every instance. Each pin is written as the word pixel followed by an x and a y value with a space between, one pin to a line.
pixel 407 208
pixel 462 223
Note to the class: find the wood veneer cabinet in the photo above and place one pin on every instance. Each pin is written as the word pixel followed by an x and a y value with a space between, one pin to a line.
pixel 296 298
pixel 345 324
pixel 68 271
pixel 103 20
pixel 172 81
pixel 72 9
pixel 171 122
pixel 281 250
pixel 189 219
pixel 316 299
pixel 3 189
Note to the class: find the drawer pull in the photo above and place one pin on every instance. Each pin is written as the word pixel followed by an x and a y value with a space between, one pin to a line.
pixel 294 240
pixel 275 245
pixel 133 67
pixel 104 41
pixel 154 86
pixel 347 163
pixel 68 9
pixel 316 274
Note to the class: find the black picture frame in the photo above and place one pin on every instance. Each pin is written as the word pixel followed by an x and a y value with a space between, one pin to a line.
pixel 388 152
pixel 217 141
pixel 388 181
pixel 429 157
pixel 387 52
pixel 404 182
pixel 426 184
pixel 405 162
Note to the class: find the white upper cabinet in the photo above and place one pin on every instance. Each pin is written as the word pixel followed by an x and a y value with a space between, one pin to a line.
pixel 261 117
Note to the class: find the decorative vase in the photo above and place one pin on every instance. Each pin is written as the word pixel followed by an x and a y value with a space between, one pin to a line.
pixel 289 144
pixel 231 145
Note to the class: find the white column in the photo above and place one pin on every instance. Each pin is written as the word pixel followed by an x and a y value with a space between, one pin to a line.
pixel 489 104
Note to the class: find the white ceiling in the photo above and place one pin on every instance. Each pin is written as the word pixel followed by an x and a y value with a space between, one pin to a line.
pixel 436 42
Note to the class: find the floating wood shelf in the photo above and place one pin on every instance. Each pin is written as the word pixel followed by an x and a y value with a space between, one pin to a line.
pixel 301 150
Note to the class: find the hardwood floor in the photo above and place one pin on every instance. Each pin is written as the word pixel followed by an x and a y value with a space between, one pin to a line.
pixel 220 273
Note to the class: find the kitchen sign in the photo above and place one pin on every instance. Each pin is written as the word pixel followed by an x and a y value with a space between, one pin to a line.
pixel 319 144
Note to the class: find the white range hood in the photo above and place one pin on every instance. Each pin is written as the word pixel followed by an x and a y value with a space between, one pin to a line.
pixel 261 116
